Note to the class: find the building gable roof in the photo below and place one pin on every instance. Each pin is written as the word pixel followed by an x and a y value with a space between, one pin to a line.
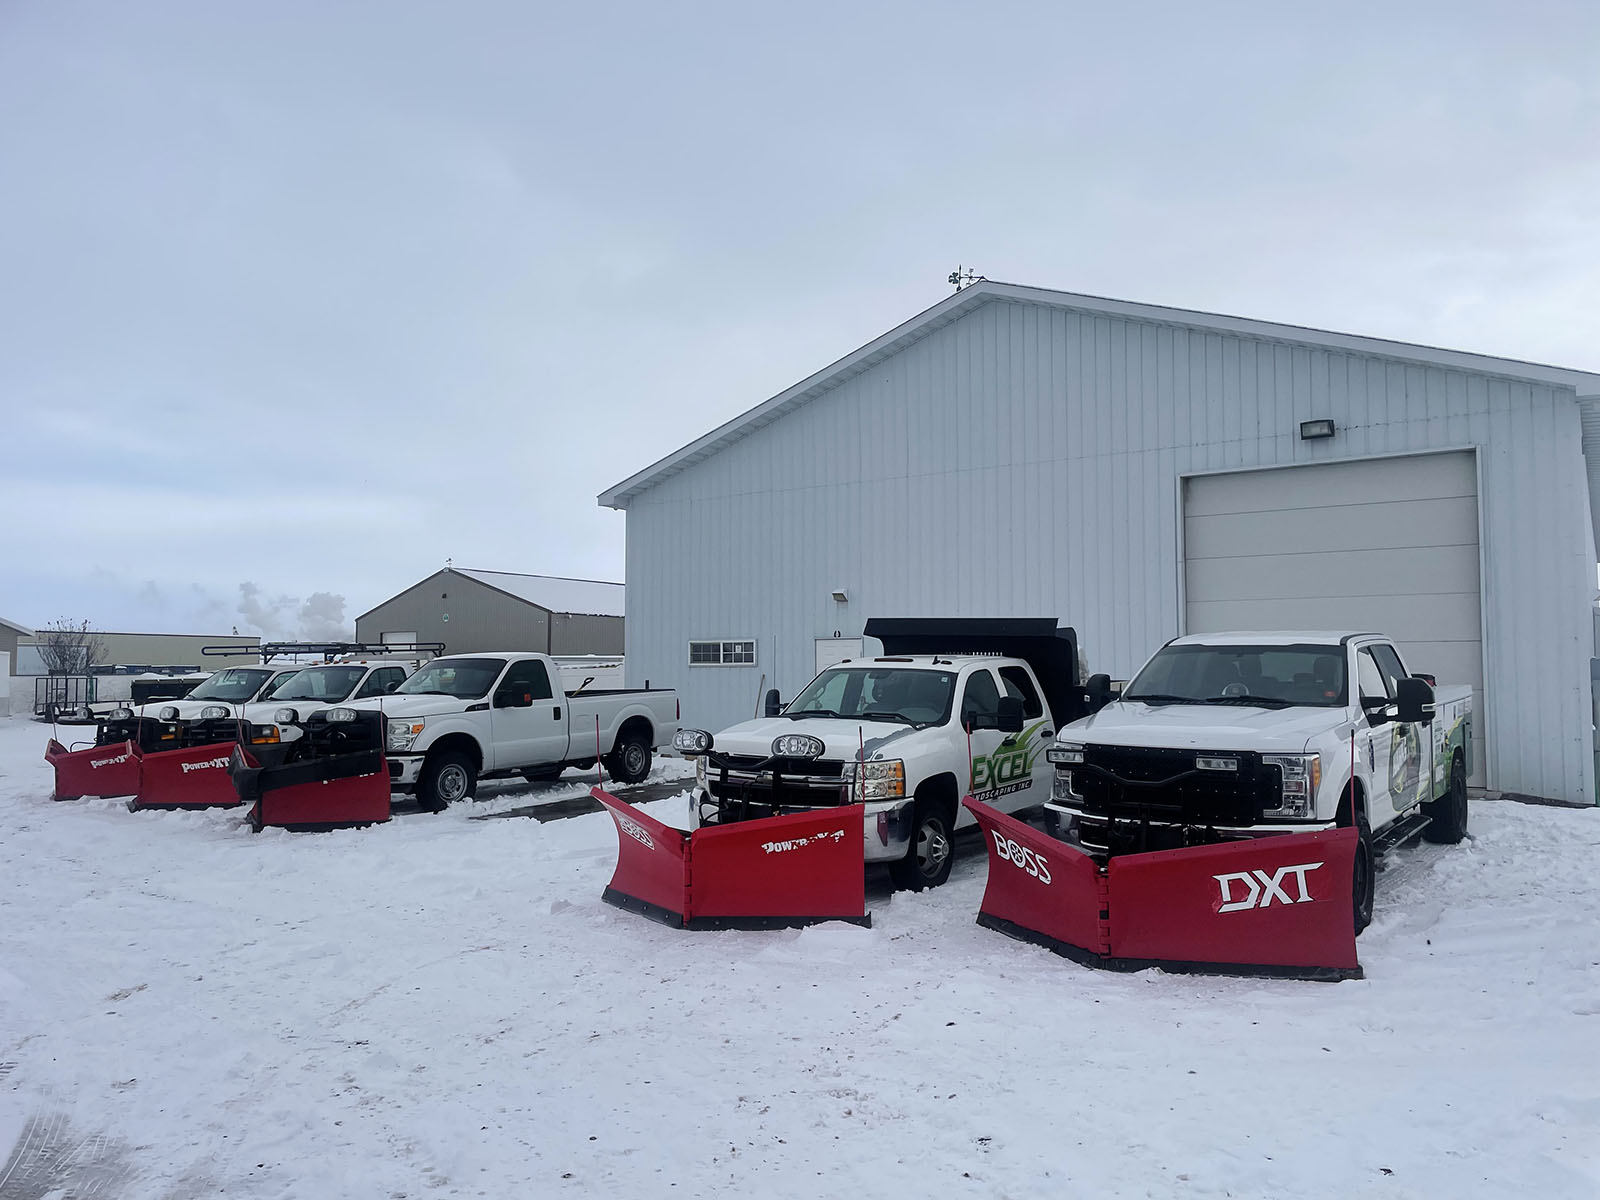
pixel 953 307
pixel 12 625
pixel 555 593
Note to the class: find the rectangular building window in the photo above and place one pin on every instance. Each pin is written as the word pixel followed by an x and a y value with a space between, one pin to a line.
pixel 738 653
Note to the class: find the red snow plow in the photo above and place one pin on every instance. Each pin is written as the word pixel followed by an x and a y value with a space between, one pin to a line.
pixel 770 873
pixel 106 769
pixel 335 778
pixel 160 762
pixel 1278 905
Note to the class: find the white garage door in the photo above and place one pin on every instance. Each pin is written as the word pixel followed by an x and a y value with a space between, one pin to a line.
pixel 1388 545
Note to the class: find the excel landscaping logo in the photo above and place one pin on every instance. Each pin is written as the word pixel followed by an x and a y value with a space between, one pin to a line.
pixel 1009 769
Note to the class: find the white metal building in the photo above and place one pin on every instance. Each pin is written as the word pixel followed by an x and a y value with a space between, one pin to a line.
pixel 1140 472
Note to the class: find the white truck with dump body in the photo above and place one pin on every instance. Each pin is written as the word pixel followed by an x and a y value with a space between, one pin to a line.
pixel 1222 737
pixel 953 707
pixel 466 717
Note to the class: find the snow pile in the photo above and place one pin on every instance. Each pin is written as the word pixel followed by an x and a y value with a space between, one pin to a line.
pixel 443 1007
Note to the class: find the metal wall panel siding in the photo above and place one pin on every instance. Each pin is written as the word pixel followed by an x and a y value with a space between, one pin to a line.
pixel 1025 460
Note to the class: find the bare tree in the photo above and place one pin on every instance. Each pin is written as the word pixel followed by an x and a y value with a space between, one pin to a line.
pixel 69 648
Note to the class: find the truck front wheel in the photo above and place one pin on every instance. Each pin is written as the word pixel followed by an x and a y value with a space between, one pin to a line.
pixel 1447 816
pixel 927 864
pixel 630 761
pixel 446 778
pixel 1363 877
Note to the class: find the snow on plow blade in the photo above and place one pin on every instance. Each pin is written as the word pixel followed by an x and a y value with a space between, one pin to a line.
pixel 335 792
pixel 771 873
pixel 196 777
pixel 1276 905
pixel 98 771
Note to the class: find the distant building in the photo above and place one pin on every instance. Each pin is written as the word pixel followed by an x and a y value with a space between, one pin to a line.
pixel 155 651
pixel 472 610
pixel 10 634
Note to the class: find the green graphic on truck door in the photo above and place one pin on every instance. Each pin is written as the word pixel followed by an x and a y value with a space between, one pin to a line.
pixel 1009 769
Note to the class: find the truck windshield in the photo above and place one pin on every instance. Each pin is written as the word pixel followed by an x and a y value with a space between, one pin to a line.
pixel 463 678
pixel 877 693
pixel 319 683
pixel 1260 676
pixel 232 686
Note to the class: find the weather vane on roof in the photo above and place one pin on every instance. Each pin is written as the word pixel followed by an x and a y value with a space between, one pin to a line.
pixel 962 276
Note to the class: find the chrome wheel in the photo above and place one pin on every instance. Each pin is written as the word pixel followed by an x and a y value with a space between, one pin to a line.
pixel 634 759
pixel 933 847
pixel 452 783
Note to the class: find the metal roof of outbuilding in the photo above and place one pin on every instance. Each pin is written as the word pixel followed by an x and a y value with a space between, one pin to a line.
pixel 1587 384
pixel 555 593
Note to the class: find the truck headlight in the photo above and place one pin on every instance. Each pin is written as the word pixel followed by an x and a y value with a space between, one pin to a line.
pixel 878 779
pixel 402 734
pixel 339 716
pixel 1302 775
pixel 691 741
pixel 1064 754
pixel 121 714
pixel 286 716
pixel 167 712
pixel 797 745
pixel 214 712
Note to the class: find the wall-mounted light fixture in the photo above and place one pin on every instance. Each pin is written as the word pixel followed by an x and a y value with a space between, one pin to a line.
pixel 1320 428
pixel 841 595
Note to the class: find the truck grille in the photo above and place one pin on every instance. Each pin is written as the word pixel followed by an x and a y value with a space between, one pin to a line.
pixel 1140 784
pixel 744 787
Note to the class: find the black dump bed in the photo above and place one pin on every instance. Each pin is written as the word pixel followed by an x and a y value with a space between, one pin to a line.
pixel 1051 650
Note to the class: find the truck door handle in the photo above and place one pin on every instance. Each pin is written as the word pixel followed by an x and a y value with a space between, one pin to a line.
pixel 557 711
pixel 1047 733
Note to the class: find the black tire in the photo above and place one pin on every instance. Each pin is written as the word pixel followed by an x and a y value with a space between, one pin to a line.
pixel 1447 816
pixel 933 851
pixel 446 778
pixel 630 761
pixel 1363 875
pixel 543 774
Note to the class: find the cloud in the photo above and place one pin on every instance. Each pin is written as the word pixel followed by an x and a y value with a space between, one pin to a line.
pixel 318 618
pixel 322 618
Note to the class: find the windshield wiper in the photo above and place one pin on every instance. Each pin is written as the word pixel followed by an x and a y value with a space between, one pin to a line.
pixel 1253 701
pixel 810 712
pixel 874 715
pixel 1160 698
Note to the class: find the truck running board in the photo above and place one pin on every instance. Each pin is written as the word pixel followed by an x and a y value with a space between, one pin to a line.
pixel 772 873
pixel 1276 906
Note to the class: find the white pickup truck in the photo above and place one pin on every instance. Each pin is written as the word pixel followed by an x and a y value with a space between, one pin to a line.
pixel 945 712
pixel 468 717
pixel 1228 736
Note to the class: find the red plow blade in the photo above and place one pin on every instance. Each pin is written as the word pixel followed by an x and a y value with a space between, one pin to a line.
pixel 97 771
pixel 772 873
pixel 1276 905
pixel 338 792
pixel 196 777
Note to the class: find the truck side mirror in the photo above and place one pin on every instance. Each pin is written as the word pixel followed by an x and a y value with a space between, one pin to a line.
pixel 771 705
pixel 1413 701
pixel 1098 692
pixel 1008 718
pixel 513 698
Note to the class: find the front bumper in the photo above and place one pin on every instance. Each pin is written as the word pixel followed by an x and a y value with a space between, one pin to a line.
pixel 1088 831
pixel 404 770
pixel 885 834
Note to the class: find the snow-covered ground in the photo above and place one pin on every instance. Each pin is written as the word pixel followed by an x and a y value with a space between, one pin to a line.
pixel 444 1007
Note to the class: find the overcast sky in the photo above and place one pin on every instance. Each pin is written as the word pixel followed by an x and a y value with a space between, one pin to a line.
pixel 302 298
